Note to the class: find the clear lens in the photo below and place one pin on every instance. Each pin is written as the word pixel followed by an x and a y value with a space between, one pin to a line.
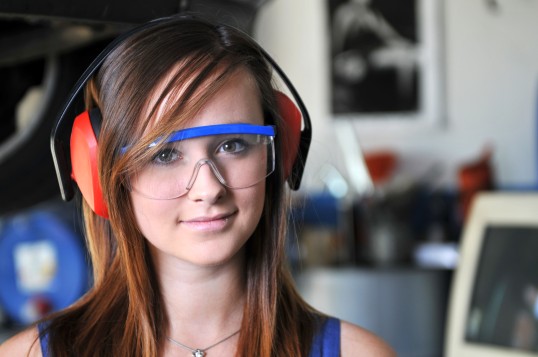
pixel 237 160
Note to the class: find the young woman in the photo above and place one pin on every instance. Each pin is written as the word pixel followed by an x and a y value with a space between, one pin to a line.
pixel 189 260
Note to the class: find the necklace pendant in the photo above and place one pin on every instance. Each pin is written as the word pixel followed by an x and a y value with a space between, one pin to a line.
pixel 198 353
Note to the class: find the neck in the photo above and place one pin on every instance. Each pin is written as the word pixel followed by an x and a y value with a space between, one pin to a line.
pixel 203 304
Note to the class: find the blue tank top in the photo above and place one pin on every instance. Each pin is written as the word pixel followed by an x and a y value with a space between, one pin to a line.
pixel 326 343
pixel 43 339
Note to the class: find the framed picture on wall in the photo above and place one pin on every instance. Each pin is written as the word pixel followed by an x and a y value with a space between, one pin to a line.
pixel 387 62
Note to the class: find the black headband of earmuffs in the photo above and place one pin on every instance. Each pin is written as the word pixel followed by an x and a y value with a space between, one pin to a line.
pixel 60 135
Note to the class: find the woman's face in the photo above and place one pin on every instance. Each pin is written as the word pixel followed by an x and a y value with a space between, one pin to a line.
pixel 210 224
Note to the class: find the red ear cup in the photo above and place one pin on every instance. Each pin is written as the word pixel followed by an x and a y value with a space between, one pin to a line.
pixel 292 130
pixel 84 153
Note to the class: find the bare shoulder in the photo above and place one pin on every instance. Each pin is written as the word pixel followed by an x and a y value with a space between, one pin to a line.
pixel 357 341
pixel 24 343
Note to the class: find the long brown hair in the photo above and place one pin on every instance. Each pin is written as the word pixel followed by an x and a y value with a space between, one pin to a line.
pixel 123 313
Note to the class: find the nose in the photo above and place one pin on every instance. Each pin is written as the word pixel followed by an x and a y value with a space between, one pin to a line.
pixel 205 184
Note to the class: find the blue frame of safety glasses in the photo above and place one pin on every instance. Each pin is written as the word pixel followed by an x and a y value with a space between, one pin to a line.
pixel 219 129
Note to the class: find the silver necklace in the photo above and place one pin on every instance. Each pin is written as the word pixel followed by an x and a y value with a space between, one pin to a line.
pixel 200 352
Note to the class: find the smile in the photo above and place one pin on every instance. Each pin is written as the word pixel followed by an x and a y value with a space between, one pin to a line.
pixel 208 224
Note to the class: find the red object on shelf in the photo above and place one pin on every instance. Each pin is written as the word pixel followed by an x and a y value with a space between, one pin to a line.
pixel 474 177
pixel 381 165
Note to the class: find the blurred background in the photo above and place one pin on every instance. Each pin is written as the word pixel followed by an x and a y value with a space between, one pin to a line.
pixel 416 106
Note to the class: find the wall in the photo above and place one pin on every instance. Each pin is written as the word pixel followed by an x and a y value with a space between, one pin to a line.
pixel 491 72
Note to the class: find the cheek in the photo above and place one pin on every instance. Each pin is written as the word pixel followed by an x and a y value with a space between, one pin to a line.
pixel 150 215
pixel 253 204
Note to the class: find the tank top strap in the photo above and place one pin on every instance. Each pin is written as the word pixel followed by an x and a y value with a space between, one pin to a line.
pixel 43 338
pixel 327 341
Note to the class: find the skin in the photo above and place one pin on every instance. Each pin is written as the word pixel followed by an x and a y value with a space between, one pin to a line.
pixel 197 244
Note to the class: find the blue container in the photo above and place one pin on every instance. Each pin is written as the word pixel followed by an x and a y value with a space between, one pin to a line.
pixel 42 265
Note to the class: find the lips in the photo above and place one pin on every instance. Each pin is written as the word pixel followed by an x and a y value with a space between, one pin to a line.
pixel 208 223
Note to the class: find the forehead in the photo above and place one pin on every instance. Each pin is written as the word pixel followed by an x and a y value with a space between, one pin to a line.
pixel 235 100
pixel 238 101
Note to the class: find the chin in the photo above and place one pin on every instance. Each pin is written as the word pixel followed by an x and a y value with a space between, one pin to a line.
pixel 220 259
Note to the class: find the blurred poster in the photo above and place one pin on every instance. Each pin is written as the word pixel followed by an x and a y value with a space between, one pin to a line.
pixel 384 58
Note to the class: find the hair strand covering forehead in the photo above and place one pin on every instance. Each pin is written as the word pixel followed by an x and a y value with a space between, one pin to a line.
pixel 198 52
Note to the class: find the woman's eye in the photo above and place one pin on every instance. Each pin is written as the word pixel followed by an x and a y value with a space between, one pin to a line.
pixel 233 146
pixel 166 156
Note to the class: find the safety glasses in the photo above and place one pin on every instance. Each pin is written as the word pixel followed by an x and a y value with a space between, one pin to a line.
pixel 239 155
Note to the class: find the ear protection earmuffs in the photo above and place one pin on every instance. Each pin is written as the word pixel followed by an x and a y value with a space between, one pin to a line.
pixel 74 142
